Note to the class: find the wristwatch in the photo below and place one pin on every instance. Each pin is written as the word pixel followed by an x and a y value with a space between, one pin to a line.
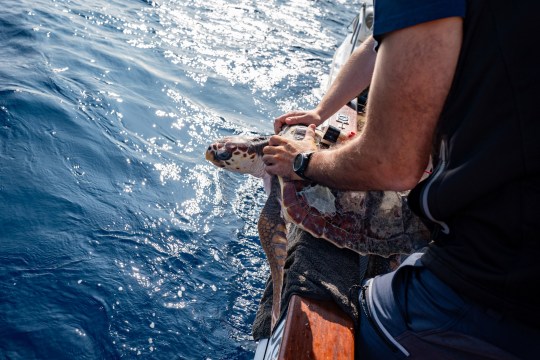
pixel 301 162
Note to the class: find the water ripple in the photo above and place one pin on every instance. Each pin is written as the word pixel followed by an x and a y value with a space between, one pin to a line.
pixel 118 239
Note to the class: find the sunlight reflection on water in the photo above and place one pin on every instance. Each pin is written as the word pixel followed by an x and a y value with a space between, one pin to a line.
pixel 107 108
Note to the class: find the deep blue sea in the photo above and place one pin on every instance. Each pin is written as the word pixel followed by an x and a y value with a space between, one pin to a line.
pixel 117 238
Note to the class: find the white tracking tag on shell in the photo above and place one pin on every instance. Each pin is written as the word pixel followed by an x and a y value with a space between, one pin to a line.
pixel 321 198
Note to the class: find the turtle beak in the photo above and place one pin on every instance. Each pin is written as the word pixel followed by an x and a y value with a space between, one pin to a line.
pixel 209 154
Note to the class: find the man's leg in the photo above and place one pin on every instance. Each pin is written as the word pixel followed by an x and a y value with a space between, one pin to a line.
pixel 411 314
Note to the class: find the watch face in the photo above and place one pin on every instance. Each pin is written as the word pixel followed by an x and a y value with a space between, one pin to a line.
pixel 297 162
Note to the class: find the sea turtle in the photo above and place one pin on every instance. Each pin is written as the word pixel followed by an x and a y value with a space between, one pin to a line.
pixel 371 222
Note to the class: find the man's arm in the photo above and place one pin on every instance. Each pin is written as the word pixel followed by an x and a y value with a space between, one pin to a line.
pixel 352 79
pixel 413 74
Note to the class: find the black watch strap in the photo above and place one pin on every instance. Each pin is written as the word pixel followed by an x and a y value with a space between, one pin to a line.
pixel 301 162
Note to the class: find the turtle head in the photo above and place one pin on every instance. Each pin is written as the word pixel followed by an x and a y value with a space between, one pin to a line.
pixel 242 154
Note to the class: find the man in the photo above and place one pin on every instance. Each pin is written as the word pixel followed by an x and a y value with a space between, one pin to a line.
pixel 455 80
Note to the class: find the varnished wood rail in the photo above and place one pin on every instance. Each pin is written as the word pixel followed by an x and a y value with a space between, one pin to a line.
pixel 317 330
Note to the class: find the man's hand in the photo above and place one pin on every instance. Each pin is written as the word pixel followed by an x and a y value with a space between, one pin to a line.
pixel 280 153
pixel 353 78
pixel 297 117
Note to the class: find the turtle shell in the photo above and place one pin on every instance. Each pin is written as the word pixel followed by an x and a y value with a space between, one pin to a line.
pixel 368 222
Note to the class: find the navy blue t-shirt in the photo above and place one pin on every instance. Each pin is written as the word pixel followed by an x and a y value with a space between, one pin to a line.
pixel 393 15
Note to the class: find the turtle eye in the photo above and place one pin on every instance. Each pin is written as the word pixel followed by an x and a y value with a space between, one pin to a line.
pixel 223 155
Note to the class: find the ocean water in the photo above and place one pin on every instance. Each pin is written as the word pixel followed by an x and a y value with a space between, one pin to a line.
pixel 117 238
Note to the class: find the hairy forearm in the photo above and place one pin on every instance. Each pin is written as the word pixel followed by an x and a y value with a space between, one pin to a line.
pixel 413 75
pixel 353 78
pixel 359 166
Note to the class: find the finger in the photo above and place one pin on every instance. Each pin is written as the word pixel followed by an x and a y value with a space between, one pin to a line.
pixel 310 132
pixel 282 118
pixel 276 140
pixel 267 160
pixel 276 169
pixel 280 121
pixel 298 119
pixel 293 114
pixel 270 168
pixel 278 124
pixel 269 150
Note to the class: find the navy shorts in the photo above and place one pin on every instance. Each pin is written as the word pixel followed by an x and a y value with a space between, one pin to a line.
pixel 411 314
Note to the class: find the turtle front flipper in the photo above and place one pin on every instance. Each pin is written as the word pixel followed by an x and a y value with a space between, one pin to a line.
pixel 273 236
